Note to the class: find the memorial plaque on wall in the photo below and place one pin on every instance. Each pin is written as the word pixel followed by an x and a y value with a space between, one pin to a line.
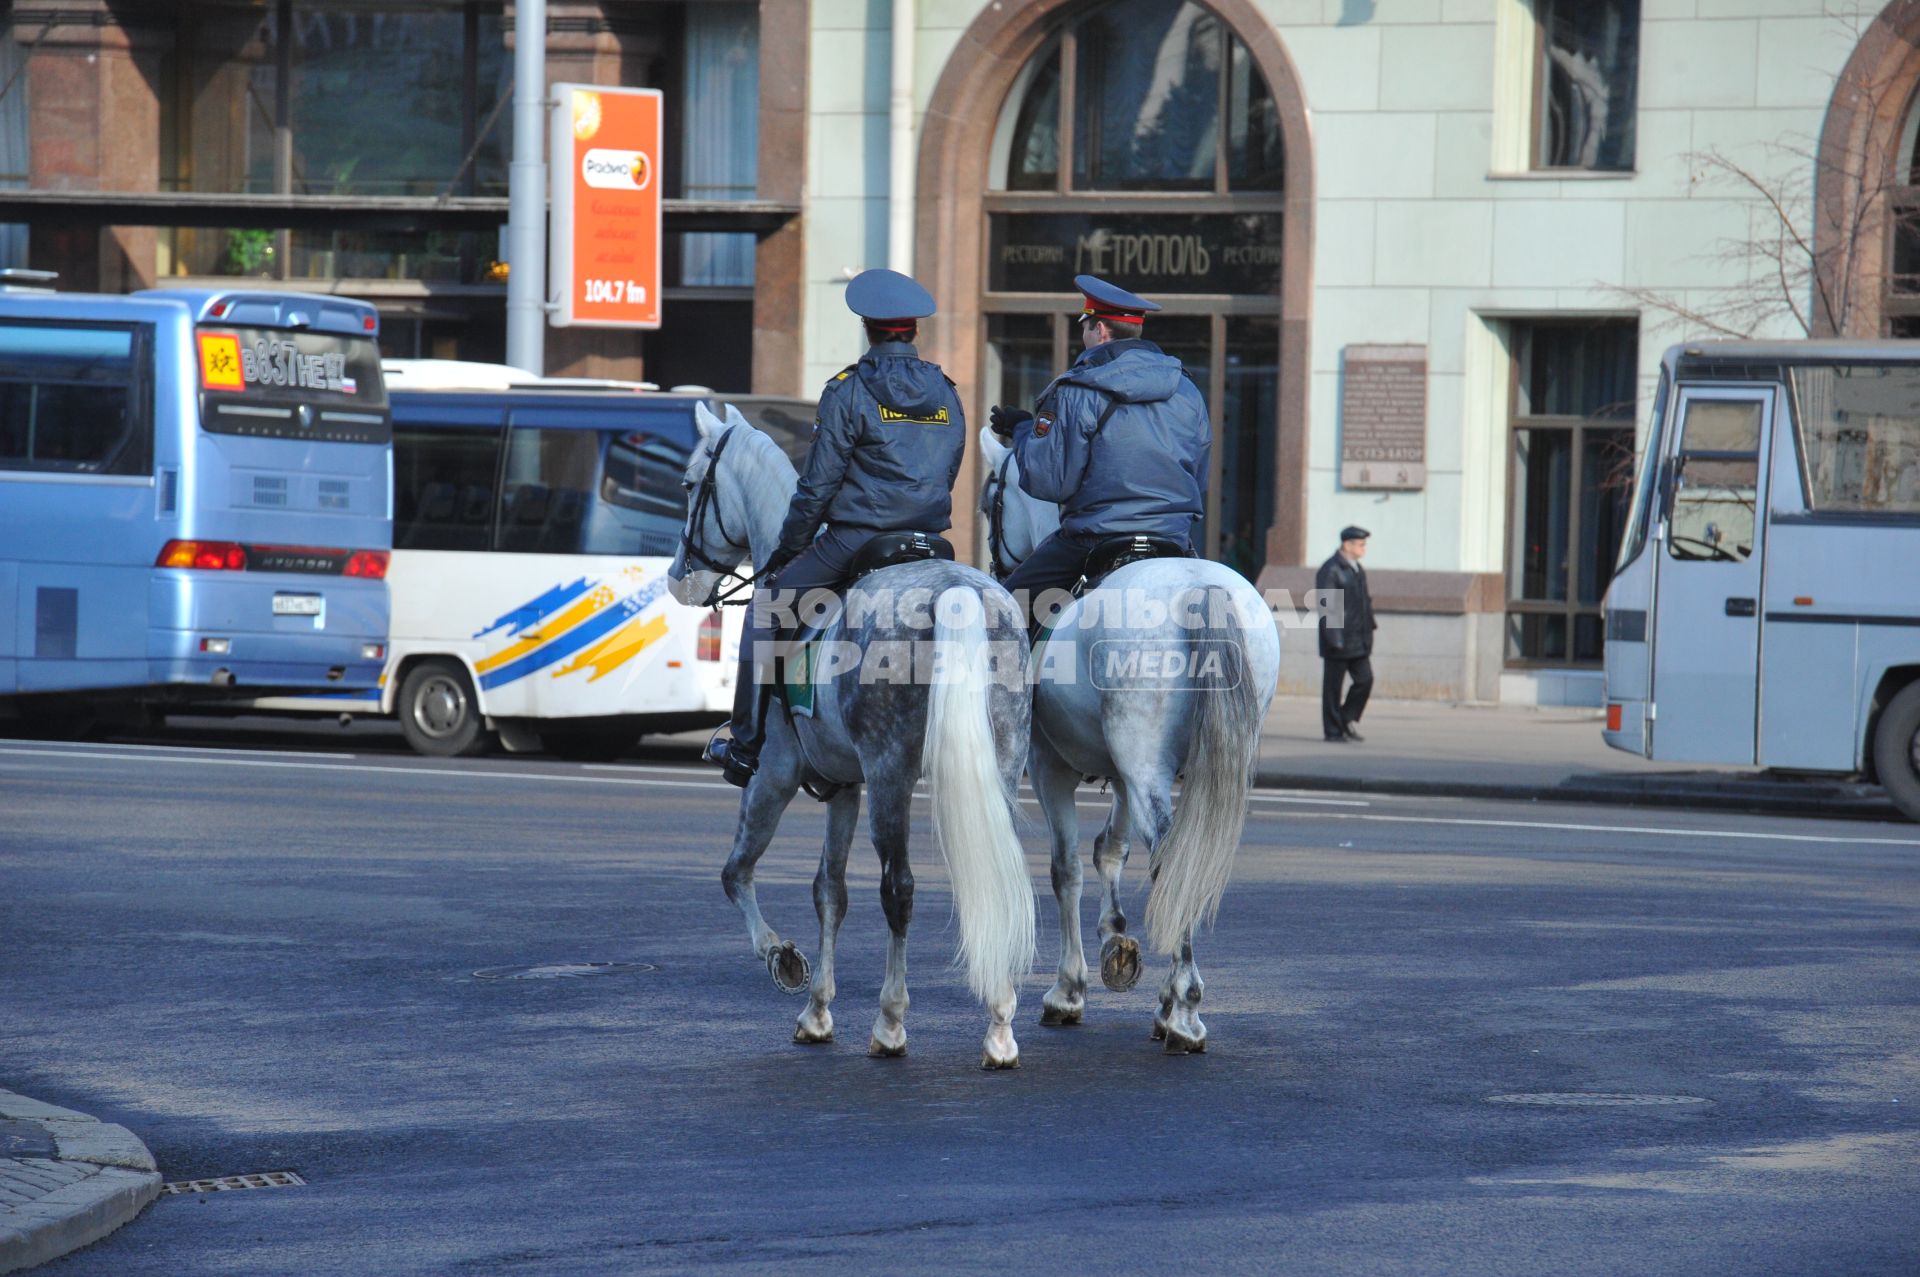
pixel 1383 417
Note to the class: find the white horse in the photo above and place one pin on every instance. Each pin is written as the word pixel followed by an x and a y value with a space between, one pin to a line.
pixel 1140 699
pixel 966 733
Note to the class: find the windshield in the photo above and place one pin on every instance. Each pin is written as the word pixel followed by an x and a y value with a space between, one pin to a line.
pixel 1641 514
pixel 273 383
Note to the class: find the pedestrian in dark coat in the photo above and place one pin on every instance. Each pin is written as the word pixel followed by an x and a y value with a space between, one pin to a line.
pixel 1346 648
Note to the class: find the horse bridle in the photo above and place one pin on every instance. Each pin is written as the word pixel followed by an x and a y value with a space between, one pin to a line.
pixel 996 511
pixel 705 496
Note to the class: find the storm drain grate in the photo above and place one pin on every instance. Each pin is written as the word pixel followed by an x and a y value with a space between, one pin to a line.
pixel 561 970
pixel 1594 1099
pixel 264 1179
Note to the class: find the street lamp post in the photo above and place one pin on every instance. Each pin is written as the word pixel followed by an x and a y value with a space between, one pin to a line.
pixel 527 192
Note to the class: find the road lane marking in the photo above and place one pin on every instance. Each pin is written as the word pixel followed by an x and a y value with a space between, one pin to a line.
pixel 164 754
pixel 1263 796
pixel 77 747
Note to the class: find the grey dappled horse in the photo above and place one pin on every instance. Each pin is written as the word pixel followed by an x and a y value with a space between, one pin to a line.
pixel 964 731
pixel 1188 704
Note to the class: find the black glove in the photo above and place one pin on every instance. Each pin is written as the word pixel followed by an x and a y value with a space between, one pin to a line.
pixel 1002 420
pixel 779 560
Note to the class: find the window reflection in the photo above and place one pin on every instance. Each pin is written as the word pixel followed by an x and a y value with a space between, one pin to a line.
pixel 1247 443
pixel 1034 161
pixel 1147 104
pixel 1590 63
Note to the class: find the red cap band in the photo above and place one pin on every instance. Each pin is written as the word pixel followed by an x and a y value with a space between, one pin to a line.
pixel 894 325
pixel 1101 310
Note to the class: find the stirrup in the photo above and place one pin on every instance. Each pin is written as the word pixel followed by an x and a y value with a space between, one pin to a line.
pixel 736 765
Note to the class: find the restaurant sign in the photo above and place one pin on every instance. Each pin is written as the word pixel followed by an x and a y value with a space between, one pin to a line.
pixel 1233 253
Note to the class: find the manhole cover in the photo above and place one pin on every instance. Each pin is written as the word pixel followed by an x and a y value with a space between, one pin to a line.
pixel 561 970
pixel 26 1139
pixel 1594 1099
pixel 227 1183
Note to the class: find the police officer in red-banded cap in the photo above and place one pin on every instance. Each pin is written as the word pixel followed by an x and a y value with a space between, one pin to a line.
pixel 1120 440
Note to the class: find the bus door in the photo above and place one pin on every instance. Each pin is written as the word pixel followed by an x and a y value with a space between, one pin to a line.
pixel 1706 623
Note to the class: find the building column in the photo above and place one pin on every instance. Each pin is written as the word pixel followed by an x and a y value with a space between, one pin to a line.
pixel 93 82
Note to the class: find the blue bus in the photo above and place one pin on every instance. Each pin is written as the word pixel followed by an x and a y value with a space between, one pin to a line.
pixel 195 499
pixel 1766 608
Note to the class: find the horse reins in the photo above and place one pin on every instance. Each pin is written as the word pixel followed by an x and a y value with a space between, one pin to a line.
pixel 996 511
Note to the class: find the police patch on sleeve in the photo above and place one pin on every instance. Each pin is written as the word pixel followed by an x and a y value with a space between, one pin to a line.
pixel 937 418
pixel 1041 424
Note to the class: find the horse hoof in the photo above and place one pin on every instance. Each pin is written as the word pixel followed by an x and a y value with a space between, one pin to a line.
pixel 1120 963
pixel 789 968
pixel 1159 1033
pixel 1181 1044
pixel 804 1036
pixel 987 1061
pixel 1059 1017
pixel 881 1051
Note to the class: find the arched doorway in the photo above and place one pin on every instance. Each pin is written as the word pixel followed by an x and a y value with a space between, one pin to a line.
pixel 1867 191
pixel 1159 143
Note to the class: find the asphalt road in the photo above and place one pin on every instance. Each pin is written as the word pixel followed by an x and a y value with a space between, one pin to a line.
pixel 264 961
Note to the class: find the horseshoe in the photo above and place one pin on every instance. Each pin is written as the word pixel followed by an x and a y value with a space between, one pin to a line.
pixel 775 959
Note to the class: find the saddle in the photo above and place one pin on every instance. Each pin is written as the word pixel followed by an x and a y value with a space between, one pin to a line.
pixel 888 549
pixel 1114 553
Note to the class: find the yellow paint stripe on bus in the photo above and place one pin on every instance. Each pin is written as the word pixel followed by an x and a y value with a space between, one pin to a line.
pixel 548 628
pixel 619 647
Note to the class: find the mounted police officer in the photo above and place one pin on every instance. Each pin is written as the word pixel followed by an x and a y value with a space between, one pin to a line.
pixel 1120 440
pixel 886 450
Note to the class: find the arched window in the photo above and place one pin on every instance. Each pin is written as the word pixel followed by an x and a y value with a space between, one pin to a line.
pixel 1143 145
pixel 1900 302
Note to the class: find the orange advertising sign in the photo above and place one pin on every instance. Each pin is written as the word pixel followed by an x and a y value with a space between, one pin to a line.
pixel 220 367
pixel 605 161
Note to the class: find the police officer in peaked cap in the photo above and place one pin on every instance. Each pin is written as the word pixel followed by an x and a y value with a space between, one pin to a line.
pixel 886 449
pixel 1120 440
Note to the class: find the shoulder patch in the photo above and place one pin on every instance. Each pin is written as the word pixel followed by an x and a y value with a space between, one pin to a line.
pixel 1042 423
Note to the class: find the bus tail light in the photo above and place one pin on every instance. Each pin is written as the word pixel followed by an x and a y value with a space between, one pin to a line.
pixel 1613 717
pixel 211 556
pixel 216 646
pixel 708 646
pixel 371 564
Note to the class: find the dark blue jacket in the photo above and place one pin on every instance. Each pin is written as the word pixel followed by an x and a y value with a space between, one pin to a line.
pixel 1141 470
pixel 886 450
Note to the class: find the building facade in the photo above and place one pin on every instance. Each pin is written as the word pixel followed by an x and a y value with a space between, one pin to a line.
pixel 1421 255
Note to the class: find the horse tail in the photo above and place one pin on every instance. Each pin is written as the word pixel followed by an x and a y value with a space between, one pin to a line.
pixel 972 810
pixel 1191 866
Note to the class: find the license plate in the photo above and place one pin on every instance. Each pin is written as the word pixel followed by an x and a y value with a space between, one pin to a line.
pixel 296 604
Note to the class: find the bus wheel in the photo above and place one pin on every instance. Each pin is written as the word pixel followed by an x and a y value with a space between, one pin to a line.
pixel 1896 750
pixel 589 744
pixel 439 713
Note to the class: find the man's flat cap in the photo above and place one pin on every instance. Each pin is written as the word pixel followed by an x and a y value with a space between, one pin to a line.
pixel 1351 533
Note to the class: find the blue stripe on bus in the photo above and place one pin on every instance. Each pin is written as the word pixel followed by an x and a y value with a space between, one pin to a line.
pixel 527 613
pixel 577 637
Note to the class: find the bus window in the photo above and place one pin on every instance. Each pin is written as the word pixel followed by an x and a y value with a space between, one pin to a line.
pixel 1860 428
pixel 1716 480
pixel 73 397
pixel 443 487
pixel 548 486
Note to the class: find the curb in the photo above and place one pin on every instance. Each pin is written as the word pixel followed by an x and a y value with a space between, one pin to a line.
pixel 1684 790
pixel 101 1177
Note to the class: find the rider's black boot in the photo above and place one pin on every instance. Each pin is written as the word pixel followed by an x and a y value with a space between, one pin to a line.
pixel 739 757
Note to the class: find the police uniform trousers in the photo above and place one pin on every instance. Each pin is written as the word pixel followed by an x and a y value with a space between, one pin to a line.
pixel 821 566
pixel 1335 714
pixel 1055 564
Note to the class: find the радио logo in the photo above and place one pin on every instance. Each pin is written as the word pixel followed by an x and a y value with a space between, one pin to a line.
pixel 617 170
